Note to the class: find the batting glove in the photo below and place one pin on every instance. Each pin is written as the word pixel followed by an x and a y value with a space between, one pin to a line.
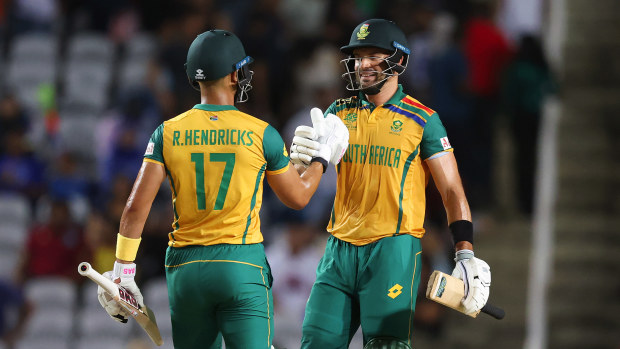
pixel 108 303
pixel 304 146
pixel 127 272
pixel 328 138
pixel 476 274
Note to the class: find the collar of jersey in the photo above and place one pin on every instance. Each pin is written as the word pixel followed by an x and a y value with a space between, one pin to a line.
pixel 215 107
pixel 395 99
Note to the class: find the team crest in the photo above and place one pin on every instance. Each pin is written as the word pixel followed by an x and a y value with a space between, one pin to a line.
pixel 363 33
pixel 199 74
pixel 350 120
pixel 396 127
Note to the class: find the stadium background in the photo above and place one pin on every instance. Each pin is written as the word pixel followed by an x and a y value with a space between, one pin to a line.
pixel 84 83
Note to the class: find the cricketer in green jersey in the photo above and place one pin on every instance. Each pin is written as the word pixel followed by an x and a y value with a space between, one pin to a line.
pixel 370 272
pixel 216 157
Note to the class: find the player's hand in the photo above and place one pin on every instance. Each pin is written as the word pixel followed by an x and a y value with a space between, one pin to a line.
pixel 332 136
pixel 127 273
pixel 476 274
pixel 304 146
pixel 108 303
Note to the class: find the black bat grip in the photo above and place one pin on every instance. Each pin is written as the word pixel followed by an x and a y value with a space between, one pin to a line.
pixel 494 311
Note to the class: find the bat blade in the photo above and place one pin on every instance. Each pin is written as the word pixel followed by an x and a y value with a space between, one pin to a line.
pixel 448 290
pixel 144 317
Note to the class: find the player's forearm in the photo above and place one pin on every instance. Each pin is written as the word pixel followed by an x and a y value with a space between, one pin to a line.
pixel 309 182
pixel 133 220
pixel 456 205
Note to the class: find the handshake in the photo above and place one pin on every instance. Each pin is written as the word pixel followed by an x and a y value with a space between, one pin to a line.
pixel 326 141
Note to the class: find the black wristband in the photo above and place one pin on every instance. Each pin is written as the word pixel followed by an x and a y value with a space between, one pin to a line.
pixel 462 231
pixel 322 161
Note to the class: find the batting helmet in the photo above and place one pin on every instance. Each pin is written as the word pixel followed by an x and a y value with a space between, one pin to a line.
pixel 215 54
pixel 382 34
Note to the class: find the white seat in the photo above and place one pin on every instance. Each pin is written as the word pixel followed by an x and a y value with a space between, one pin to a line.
pixel 155 294
pixel 14 209
pixel 26 73
pixel 89 295
pixel 78 136
pixel 45 343
pixel 141 46
pixel 53 293
pixel 34 47
pixel 93 323
pixel 47 323
pixel 100 343
pixel 13 236
pixel 133 73
pixel 93 46
pixel 9 259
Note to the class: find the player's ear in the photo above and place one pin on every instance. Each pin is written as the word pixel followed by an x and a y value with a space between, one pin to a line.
pixel 234 77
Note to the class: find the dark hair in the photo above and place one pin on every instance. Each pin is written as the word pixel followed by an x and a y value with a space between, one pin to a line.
pixel 530 50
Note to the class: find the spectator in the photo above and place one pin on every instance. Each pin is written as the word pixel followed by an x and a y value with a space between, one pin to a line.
pixel 448 74
pixel 54 248
pixel 487 53
pixel 99 238
pixel 20 171
pixel 293 256
pixel 122 134
pixel 12 118
pixel 526 84
pixel 12 297
pixel 66 181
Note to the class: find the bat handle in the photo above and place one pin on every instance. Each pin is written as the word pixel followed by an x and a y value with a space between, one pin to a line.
pixel 494 311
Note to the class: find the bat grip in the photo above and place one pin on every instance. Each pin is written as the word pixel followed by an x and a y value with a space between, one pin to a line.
pixel 494 311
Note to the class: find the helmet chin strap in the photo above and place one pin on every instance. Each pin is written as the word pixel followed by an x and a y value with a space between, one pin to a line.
pixel 374 89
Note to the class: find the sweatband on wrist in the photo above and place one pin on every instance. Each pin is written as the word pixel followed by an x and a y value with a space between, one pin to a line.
pixel 126 248
pixel 463 254
pixel 462 231
pixel 124 271
pixel 322 161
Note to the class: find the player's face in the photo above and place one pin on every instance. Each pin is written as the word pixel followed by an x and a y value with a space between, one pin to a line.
pixel 369 65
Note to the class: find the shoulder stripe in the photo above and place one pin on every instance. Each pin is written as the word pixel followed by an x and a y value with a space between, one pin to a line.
pixel 414 103
pixel 418 119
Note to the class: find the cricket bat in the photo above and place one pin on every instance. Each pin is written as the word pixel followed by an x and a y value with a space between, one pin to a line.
pixel 447 290
pixel 144 317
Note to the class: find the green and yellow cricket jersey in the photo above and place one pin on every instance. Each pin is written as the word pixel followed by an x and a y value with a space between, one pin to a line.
pixel 381 177
pixel 216 157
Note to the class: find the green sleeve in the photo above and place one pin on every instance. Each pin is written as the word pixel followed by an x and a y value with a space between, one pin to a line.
pixel 434 138
pixel 274 150
pixel 331 109
pixel 155 148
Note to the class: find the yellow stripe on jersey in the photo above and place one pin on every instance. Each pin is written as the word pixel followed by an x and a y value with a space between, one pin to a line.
pixel 215 159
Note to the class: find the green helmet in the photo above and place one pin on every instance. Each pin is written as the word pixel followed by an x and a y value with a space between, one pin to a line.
pixel 379 33
pixel 215 54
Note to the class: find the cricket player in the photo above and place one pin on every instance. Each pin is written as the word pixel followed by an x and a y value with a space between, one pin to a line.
pixel 370 272
pixel 216 157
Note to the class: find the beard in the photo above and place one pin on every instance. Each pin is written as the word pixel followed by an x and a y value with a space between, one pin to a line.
pixel 369 78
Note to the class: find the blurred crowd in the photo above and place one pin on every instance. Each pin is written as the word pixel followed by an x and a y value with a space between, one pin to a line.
pixel 71 162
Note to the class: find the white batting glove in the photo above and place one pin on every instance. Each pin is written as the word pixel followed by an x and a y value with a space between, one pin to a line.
pixel 332 133
pixel 304 146
pixel 113 309
pixel 476 274
pixel 127 272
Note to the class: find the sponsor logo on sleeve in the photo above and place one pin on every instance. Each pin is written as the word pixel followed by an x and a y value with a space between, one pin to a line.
pixel 445 143
pixel 150 148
